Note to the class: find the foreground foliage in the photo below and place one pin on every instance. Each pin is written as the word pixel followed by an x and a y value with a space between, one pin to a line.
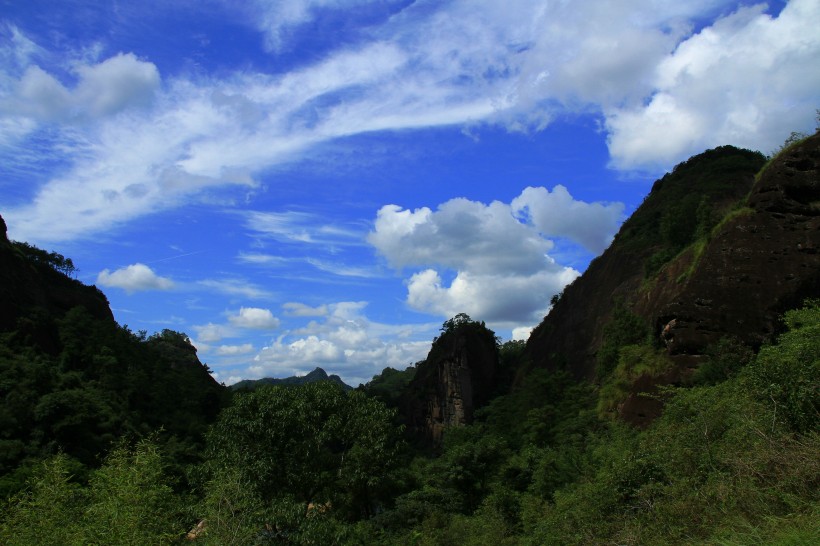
pixel 733 460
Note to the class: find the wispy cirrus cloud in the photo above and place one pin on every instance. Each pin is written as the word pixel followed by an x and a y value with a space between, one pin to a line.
pixel 151 141
pixel 236 287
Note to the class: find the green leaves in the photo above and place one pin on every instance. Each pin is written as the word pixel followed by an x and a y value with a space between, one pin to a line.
pixel 311 444
pixel 128 502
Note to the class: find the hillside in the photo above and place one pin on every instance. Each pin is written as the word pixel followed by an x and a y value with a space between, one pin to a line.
pixel 670 397
pixel 74 381
pixel 316 375
pixel 716 251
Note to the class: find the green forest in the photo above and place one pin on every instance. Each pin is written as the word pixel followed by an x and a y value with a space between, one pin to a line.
pixel 110 436
pixel 733 460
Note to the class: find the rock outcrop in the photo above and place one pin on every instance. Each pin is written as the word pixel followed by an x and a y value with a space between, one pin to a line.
pixel 457 377
pixel 734 280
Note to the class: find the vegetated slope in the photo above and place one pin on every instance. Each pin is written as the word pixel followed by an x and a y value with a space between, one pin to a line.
pixel 712 253
pixel 316 375
pixel 73 380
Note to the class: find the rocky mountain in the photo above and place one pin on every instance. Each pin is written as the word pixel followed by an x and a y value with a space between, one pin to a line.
pixel 316 375
pixel 457 377
pixel 719 249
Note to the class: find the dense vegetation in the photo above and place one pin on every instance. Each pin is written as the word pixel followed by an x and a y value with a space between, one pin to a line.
pixel 731 461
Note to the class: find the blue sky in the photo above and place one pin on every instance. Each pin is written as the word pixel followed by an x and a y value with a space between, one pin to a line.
pixel 323 182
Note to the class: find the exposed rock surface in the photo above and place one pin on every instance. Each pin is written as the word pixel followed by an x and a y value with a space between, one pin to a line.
pixel 457 377
pixel 761 260
pixel 572 332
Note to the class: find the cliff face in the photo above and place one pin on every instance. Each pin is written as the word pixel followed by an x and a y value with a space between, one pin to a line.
pixel 571 334
pixel 457 377
pixel 734 280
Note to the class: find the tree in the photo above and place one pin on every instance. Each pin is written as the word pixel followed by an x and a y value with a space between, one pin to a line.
pixel 312 444
pixel 456 322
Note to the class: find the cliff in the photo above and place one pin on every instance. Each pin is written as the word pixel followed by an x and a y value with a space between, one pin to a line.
pixel 749 252
pixel 456 378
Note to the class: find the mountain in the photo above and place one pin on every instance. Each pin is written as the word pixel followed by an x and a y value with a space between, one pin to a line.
pixel 719 249
pixel 316 375
pixel 74 381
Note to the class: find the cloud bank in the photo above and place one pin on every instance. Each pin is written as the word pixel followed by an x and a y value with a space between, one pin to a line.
pixel 344 342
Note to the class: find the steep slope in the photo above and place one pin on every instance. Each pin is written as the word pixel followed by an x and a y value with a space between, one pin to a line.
pixel 33 285
pixel 457 377
pixel 690 197
pixel 731 280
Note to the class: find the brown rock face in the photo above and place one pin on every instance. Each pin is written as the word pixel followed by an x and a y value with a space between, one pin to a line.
pixel 758 262
pixel 457 377
pixel 571 334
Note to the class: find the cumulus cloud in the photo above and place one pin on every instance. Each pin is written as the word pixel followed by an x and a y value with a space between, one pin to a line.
pixel 211 333
pixel 134 278
pixel 749 79
pixel 498 252
pixel 499 299
pixel 461 234
pixel 345 342
pixel 254 318
pixel 557 214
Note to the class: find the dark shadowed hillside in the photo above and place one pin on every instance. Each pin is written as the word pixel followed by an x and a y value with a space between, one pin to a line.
pixel 74 381
pixel 714 252
pixel 316 375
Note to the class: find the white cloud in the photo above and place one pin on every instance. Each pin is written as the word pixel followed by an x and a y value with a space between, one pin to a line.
pixel 298 227
pixel 749 80
pixel 211 333
pixel 461 234
pixel 502 300
pixel 557 214
pixel 234 350
pixel 522 333
pixel 497 252
pixel 277 19
pixel 103 89
pixel 134 278
pixel 254 318
pixel 344 342
pixel 235 287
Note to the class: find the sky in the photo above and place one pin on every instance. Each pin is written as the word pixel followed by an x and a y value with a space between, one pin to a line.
pixel 303 183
